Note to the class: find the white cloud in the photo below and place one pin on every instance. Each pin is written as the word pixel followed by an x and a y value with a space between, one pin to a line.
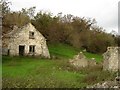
pixel 104 11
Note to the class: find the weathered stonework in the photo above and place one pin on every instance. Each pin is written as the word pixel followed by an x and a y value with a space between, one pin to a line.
pixel 92 62
pixel 112 85
pixel 112 59
pixel 80 60
pixel 21 37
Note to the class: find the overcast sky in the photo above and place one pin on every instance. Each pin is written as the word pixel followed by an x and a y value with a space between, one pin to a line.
pixel 104 11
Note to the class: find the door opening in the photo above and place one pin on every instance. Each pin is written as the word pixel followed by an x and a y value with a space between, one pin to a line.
pixel 21 50
pixel 8 53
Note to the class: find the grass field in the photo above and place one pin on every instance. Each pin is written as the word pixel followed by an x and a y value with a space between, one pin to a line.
pixel 34 72
pixel 63 50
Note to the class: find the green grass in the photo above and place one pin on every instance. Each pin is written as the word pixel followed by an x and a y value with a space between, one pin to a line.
pixel 31 72
pixel 97 57
pixel 62 50
pixel 66 51
pixel 36 72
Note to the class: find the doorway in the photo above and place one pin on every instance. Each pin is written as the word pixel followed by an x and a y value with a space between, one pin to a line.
pixel 21 50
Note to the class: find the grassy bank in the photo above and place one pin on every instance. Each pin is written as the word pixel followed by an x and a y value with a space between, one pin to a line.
pixel 66 51
pixel 51 73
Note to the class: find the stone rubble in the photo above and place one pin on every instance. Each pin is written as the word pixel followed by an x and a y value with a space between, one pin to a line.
pixel 106 84
pixel 81 61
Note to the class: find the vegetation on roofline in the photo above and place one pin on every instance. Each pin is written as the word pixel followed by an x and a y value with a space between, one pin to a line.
pixel 79 32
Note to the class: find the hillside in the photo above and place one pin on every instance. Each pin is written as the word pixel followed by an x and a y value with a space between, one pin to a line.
pixel 66 51
pixel 17 71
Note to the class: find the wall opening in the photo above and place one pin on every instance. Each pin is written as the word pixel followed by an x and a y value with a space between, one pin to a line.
pixel 21 50
pixel 8 53
pixel 32 48
pixel 31 35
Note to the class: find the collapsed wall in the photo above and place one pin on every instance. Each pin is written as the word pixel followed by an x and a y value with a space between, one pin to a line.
pixel 112 59
pixel 80 60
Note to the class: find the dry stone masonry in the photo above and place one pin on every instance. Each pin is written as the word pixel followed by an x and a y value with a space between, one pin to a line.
pixel 112 59
pixel 112 85
pixel 25 41
pixel 81 61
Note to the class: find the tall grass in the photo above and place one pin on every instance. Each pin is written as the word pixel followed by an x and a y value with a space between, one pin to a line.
pixel 35 72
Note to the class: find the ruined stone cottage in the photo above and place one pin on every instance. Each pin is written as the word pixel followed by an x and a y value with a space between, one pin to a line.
pixel 112 59
pixel 25 41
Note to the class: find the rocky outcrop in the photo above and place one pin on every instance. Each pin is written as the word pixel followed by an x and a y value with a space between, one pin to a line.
pixel 108 84
pixel 81 61
pixel 112 59
pixel 92 62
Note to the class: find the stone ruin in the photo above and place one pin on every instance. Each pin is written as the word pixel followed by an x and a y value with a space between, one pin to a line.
pixel 112 63
pixel 25 41
pixel 81 61
pixel 111 59
pixel 112 85
pixel 106 84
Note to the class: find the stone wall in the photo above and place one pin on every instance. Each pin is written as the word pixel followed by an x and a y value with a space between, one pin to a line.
pixel 109 85
pixel 21 37
pixel 112 59
pixel 80 60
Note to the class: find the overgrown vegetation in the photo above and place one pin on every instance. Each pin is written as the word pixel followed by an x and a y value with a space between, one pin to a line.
pixel 66 36
pixel 34 72
pixel 80 32
pixel 41 73
pixel 59 50
pixel 62 50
